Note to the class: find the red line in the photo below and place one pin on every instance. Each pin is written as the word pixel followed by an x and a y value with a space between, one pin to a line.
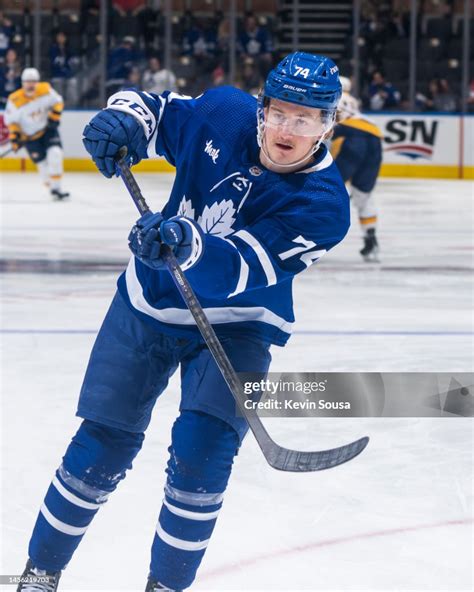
pixel 225 569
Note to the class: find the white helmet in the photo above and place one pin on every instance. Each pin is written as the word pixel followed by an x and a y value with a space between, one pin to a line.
pixel 30 75
pixel 348 107
pixel 346 84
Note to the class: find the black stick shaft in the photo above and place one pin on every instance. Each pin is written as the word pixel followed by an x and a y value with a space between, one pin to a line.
pixel 6 152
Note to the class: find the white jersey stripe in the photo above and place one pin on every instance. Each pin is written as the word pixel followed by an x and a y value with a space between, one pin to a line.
pixel 180 543
pixel 261 254
pixel 216 316
pixel 200 516
pixel 151 149
pixel 324 164
pixel 62 526
pixel 70 497
pixel 243 278
pixel 193 498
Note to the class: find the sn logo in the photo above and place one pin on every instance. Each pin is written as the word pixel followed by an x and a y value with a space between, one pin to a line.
pixel 302 71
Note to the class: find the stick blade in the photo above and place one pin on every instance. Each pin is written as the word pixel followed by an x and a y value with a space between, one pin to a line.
pixel 285 459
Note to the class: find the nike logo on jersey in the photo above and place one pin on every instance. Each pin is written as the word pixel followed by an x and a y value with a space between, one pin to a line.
pixel 213 152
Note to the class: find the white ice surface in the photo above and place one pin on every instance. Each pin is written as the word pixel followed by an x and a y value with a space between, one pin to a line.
pixel 399 517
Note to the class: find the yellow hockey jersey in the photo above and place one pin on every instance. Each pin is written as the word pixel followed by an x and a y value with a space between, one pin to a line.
pixel 29 115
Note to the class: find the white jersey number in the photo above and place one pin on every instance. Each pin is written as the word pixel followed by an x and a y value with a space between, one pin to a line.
pixel 307 258
pixel 302 71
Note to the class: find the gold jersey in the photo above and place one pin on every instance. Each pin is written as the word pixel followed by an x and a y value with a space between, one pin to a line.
pixel 29 114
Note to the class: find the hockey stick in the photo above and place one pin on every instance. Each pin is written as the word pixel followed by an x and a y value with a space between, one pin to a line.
pixel 280 458
pixel 6 152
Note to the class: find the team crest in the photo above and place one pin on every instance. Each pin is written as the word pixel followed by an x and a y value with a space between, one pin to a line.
pixel 255 171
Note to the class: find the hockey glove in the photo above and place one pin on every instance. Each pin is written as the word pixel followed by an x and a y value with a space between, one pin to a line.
pixel 109 131
pixel 15 141
pixel 182 234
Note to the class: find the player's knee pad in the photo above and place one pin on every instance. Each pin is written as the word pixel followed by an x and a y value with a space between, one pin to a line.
pixel 55 160
pixel 201 455
pixel 98 457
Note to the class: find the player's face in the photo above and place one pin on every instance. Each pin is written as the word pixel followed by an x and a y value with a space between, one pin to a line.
pixel 290 132
pixel 29 87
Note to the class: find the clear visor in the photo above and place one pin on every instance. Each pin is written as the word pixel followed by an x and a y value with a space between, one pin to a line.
pixel 297 125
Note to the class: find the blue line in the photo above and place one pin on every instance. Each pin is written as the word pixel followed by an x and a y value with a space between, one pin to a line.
pixel 297 332
pixel 382 333
pixel 49 331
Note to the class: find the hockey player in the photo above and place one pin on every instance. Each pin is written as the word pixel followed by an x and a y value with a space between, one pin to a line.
pixel 357 149
pixel 32 115
pixel 256 200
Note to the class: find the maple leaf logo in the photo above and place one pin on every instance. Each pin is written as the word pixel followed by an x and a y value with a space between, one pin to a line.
pixel 218 219
pixel 186 208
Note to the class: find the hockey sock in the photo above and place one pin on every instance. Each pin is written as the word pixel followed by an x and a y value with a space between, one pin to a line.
pixel 43 170
pixel 55 166
pixel 55 181
pixel 365 204
pixel 201 456
pixel 94 463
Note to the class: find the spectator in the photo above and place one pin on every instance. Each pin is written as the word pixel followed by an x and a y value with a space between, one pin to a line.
pixel 218 76
pixel 382 94
pixel 255 42
pixel 374 33
pixel 200 43
pixel 121 60
pixel 7 32
pixel 251 81
pixel 438 98
pixel 10 75
pixel 426 102
pixel 223 36
pixel 134 79
pixel 157 79
pixel 63 65
pixel 445 100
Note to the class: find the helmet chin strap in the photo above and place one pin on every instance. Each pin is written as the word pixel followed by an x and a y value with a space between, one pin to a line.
pixel 262 144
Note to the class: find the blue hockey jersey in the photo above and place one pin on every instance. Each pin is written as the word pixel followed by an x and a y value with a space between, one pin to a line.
pixel 261 228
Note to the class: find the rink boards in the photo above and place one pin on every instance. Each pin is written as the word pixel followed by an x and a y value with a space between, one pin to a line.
pixel 415 145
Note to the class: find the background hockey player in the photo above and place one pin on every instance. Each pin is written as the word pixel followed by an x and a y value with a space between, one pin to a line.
pixel 33 114
pixel 256 200
pixel 357 149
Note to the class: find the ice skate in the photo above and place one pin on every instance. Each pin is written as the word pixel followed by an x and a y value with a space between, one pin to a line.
pixel 59 194
pixel 154 586
pixel 370 250
pixel 38 580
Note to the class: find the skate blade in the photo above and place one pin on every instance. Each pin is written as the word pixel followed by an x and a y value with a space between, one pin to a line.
pixel 371 257
pixel 61 197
